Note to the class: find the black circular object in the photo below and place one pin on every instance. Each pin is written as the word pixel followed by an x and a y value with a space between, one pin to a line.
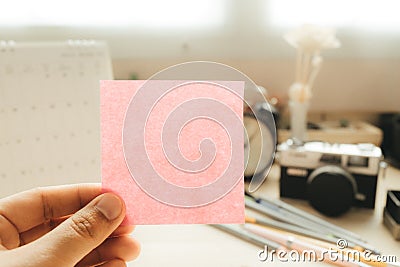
pixel 331 190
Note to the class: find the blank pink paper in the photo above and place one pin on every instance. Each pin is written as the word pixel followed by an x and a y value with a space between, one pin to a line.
pixel 173 150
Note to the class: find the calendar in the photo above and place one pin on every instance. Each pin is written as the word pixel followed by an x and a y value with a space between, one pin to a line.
pixel 49 113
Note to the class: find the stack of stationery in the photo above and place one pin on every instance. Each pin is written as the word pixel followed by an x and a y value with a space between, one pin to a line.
pixel 280 226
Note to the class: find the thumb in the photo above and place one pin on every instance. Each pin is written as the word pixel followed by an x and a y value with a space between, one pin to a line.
pixel 68 243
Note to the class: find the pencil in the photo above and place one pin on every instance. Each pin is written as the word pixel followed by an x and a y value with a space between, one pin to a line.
pixel 294 229
pixel 287 216
pixel 313 218
pixel 280 204
pixel 298 245
pixel 349 253
pixel 239 232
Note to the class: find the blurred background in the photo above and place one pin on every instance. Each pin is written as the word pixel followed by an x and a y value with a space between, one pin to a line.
pixel 358 82
pixel 360 79
pixel 49 90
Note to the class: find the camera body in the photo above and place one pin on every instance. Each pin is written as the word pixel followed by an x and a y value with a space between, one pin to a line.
pixel 333 177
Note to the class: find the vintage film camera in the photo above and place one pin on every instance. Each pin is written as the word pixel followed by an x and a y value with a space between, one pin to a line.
pixel 333 177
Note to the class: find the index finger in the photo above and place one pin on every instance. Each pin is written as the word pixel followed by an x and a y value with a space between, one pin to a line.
pixel 28 209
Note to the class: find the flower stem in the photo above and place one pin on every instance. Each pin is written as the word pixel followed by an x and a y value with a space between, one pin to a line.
pixel 316 67
pixel 298 64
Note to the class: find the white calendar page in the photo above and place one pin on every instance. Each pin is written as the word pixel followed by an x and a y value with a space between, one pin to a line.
pixel 49 113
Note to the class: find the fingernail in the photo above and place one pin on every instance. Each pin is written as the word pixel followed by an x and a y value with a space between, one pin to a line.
pixel 110 206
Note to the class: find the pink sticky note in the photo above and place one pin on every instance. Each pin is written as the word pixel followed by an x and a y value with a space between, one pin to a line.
pixel 173 150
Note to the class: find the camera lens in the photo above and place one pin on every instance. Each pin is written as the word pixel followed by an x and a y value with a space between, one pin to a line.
pixel 330 191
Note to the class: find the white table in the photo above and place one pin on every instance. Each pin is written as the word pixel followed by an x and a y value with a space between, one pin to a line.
pixel 203 245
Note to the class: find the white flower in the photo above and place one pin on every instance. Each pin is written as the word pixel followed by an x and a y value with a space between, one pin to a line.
pixel 312 39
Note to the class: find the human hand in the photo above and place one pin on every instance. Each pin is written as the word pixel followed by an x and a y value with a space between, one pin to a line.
pixel 64 226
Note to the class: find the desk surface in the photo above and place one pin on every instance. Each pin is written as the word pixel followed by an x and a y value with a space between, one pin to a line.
pixel 203 245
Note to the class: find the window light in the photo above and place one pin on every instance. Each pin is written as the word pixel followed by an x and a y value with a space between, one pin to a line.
pixel 365 14
pixel 143 13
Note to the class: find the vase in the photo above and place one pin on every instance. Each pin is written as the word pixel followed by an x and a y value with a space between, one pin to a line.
pixel 298 120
